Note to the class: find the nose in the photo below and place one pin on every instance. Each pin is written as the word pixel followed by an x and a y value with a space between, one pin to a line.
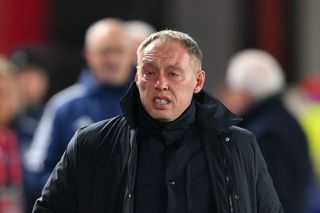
pixel 161 83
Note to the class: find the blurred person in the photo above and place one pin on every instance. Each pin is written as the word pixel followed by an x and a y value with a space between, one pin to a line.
pixel 174 149
pixel 95 97
pixel 255 82
pixel 32 77
pixel 137 31
pixel 304 101
pixel 309 117
pixel 31 71
pixel 32 67
pixel 11 199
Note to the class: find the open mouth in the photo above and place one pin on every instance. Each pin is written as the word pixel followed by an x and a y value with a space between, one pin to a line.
pixel 161 100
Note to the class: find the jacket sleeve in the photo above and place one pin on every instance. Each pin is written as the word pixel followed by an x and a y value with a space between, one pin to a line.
pixel 60 191
pixel 40 143
pixel 267 198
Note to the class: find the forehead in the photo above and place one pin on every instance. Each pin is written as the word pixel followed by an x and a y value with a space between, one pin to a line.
pixel 107 37
pixel 164 51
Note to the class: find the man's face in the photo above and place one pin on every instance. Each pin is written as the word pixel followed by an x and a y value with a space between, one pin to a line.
pixel 33 84
pixel 167 78
pixel 108 55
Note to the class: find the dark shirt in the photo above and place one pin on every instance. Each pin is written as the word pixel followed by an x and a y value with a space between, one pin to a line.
pixel 171 166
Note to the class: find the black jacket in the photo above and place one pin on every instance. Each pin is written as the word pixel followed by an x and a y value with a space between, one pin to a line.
pixel 97 171
pixel 284 147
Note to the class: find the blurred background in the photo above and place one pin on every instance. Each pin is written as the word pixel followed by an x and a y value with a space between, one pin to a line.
pixel 288 29
pixel 47 37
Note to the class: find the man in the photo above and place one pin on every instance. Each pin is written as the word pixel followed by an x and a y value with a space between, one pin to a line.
pixel 174 149
pixel 256 80
pixel 32 67
pixel 305 104
pixel 95 97
pixel 11 184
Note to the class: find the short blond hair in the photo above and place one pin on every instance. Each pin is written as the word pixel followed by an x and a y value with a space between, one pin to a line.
pixel 170 35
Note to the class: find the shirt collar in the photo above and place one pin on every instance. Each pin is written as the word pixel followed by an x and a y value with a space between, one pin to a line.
pixel 171 131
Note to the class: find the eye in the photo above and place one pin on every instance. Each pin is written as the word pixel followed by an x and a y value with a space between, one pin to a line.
pixel 148 73
pixel 173 74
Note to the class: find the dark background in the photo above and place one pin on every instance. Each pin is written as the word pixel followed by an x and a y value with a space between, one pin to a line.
pixel 288 29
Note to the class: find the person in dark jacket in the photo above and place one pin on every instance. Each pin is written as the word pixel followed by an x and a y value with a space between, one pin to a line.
pixel 256 80
pixel 94 97
pixel 174 149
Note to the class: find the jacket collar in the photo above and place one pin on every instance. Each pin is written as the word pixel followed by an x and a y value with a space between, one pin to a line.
pixel 210 112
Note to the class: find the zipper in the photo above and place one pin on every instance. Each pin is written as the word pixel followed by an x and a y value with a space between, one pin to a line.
pixel 227 174
pixel 129 196
pixel 189 183
pixel 230 203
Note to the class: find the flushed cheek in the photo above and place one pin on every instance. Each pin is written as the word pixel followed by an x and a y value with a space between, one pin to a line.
pixel 184 99
pixel 146 98
pixel 143 85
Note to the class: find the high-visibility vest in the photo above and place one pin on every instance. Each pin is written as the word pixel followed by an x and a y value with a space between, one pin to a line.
pixel 310 122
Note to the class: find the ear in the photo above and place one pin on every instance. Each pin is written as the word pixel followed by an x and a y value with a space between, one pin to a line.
pixel 201 76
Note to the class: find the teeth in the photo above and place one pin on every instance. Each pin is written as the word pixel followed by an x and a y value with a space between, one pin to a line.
pixel 161 101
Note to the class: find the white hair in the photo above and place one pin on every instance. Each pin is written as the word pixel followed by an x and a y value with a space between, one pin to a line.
pixel 100 28
pixel 137 29
pixel 255 72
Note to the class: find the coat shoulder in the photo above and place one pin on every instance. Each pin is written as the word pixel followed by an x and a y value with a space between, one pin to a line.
pixel 239 132
pixel 95 134
pixel 243 138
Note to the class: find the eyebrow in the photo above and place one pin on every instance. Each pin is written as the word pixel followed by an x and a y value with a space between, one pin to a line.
pixel 177 68
pixel 149 63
